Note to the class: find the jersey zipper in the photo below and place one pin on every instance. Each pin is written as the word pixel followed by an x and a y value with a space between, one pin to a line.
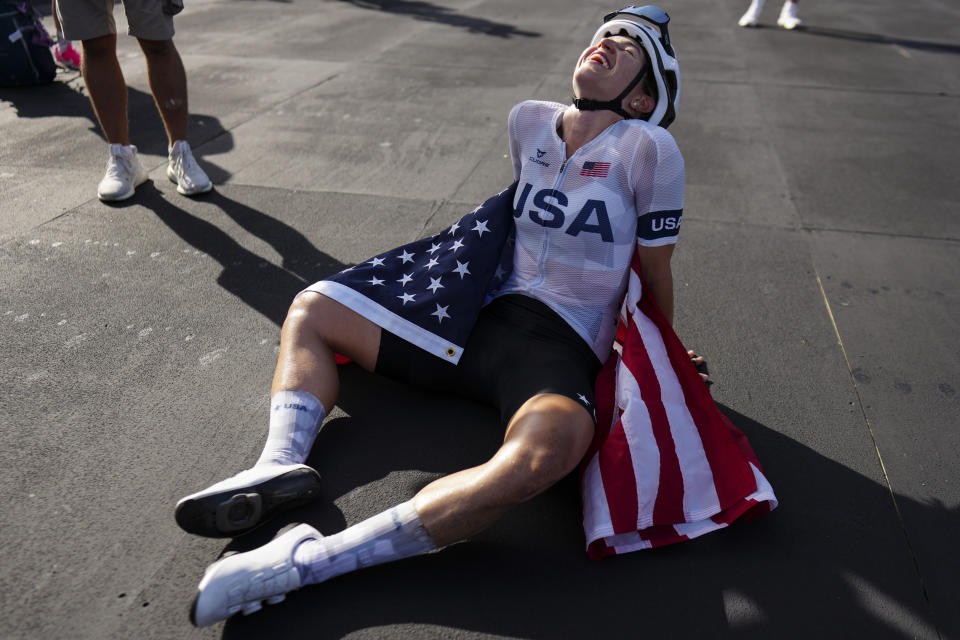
pixel 546 231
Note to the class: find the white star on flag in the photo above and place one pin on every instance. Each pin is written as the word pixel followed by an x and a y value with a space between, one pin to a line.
pixel 481 228
pixel 434 285
pixel 411 289
pixel 441 313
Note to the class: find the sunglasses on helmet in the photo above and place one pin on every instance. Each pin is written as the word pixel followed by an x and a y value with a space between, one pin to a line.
pixel 648 13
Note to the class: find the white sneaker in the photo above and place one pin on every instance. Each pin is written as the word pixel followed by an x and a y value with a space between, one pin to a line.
pixel 124 174
pixel 243 581
pixel 183 169
pixel 788 16
pixel 236 505
pixel 749 19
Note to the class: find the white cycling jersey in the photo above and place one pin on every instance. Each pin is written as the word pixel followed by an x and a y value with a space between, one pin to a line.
pixel 577 219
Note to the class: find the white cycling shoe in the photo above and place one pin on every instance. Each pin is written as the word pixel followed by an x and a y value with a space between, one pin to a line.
pixel 243 582
pixel 240 503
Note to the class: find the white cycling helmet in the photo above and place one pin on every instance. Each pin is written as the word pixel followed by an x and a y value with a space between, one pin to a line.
pixel 648 26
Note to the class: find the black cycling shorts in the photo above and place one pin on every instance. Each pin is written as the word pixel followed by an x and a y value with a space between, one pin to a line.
pixel 519 348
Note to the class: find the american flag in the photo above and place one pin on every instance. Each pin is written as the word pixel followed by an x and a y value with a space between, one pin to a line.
pixel 665 465
pixel 430 291
pixel 595 169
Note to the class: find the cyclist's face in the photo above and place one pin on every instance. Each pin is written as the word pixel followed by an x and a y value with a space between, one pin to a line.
pixel 606 68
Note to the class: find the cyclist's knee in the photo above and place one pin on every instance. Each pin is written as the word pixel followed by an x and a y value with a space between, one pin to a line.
pixel 309 308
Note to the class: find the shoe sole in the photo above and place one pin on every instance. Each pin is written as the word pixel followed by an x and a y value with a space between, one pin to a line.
pixel 173 178
pixel 184 192
pixel 123 196
pixel 196 600
pixel 193 610
pixel 225 588
pixel 232 513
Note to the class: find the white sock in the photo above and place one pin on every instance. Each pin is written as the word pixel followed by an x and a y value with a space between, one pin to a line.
pixel 295 418
pixel 394 534
pixel 756 5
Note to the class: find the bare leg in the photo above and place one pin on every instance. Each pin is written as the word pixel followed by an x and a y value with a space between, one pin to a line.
pixel 168 83
pixel 108 91
pixel 545 440
pixel 316 327
pixel 306 372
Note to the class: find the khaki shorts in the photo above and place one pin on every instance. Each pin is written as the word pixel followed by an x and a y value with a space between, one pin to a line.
pixel 86 19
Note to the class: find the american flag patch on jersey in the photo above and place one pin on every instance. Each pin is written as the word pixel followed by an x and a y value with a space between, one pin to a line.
pixel 595 169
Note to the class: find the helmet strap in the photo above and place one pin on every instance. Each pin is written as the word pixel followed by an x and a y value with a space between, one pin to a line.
pixel 615 105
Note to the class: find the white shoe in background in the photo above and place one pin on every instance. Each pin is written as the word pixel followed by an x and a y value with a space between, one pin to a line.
pixel 749 19
pixel 124 174
pixel 788 16
pixel 183 170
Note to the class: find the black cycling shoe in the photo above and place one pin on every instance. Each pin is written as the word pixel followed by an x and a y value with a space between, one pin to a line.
pixel 238 504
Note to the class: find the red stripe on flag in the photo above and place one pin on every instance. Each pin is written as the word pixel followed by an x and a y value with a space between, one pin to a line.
pixel 732 476
pixel 598 549
pixel 661 536
pixel 668 508
pixel 605 402
pixel 619 481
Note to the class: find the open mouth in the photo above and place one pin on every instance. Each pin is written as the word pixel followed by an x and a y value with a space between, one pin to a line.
pixel 598 57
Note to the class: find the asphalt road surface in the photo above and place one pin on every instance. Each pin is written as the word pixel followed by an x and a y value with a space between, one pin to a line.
pixel 816 269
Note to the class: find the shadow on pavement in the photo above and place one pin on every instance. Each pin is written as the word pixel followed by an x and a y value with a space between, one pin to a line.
pixel 429 12
pixel 60 99
pixel 819 566
pixel 832 556
pixel 56 98
pixel 860 36
pixel 263 286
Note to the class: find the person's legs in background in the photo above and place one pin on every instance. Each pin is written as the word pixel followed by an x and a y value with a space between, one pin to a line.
pixel 108 94
pixel 63 53
pixel 93 25
pixel 168 83
pixel 788 14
